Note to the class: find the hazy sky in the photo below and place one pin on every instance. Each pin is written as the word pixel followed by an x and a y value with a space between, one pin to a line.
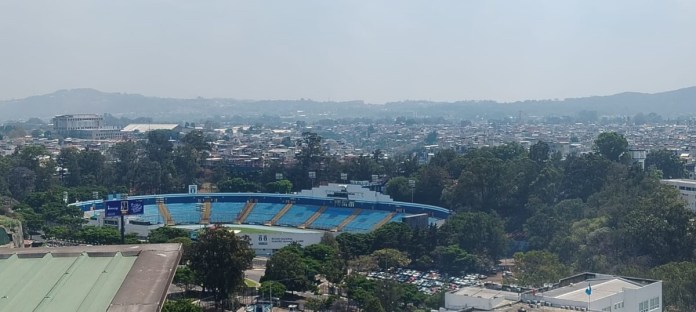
pixel 340 50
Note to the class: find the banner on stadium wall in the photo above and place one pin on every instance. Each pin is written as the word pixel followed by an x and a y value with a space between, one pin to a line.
pixel 116 208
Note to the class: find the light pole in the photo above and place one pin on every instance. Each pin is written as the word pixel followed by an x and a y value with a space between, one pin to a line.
pixel 412 184
pixel 312 176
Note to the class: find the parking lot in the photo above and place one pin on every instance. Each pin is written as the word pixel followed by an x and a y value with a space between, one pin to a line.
pixel 431 282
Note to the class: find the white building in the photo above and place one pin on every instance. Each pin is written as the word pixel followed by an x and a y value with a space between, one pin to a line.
pixel 582 292
pixel 600 292
pixel 687 188
pixel 479 298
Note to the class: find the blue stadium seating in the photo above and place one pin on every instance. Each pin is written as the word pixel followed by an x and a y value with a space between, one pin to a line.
pixel 151 213
pixel 263 212
pixel 226 212
pixel 331 218
pixel 366 220
pixel 185 213
pixel 297 215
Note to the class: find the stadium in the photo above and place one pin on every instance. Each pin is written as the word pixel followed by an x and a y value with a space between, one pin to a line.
pixel 272 221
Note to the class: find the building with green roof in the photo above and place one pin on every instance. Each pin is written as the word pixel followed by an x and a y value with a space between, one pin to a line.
pixel 87 278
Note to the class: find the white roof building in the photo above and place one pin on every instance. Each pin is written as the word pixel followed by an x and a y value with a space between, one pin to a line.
pixel 142 128
pixel 600 292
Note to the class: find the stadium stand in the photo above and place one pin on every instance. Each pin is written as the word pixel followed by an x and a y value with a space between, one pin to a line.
pixel 368 220
pixel 184 213
pixel 226 212
pixel 322 212
pixel 280 214
pixel 331 218
pixel 313 218
pixel 262 213
pixel 297 215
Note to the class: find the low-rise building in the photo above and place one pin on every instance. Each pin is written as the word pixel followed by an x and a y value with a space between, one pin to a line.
pixel 582 292
pixel 687 189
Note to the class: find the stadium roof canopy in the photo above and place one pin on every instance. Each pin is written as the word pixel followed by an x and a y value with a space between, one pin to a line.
pixel 87 278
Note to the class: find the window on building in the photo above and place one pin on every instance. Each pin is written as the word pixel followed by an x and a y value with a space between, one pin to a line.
pixel 643 306
pixel 654 303
pixel 607 309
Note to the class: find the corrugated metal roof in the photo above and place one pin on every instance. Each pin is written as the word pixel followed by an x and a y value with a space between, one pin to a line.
pixel 87 278
pixel 65 283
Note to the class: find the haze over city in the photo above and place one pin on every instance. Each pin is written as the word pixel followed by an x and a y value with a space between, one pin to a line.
pixel 377 51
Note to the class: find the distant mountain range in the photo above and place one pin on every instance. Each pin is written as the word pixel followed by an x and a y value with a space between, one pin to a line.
pixel 668 104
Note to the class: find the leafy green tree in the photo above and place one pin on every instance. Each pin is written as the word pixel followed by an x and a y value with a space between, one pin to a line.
pixel 667 162
pixel 166 233
pixel 325 260
pixel 453 260
pixel 399 189
pixel 237 185
pixel 431 138
pixel 123 169
pixel 679 285
pixel 183 305
pixel 288 267
pixel 24 182
pixel 539 152
pixel 185 278
pixel 583 176
pixel 488 240
pixel 534 268
pixel 395 235
pixel 219 259
pixel 277 289
pixel 611 145
pixel 353 245
pixel 100 235
pixel 186 244
pixel 282 187
pixel 390 258
pixel 37 159
pixel 430 182
pixel 69 161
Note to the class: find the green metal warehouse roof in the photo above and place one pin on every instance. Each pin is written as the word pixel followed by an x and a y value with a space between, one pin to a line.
pixel 95 278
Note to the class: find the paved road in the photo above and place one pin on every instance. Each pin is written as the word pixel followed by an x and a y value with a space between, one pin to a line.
pixel 254 274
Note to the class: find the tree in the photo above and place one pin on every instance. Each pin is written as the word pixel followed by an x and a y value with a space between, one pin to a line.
pixel 611 145
pixel 183 305
pixel 454 261
pixel 399 189
pixel 390 258
pixel 488 240
pixel 219 259
pixel 100 235
pixel 431 138
pixel 353 245
pixel 539 152
pixel 535 268
pixel 282 187
pixel 277 289
pixel 185 278
pixel 237 185
pixel 289 268
pixel 679 285
pixel 666 161
pixel 393 235
pixel 165 233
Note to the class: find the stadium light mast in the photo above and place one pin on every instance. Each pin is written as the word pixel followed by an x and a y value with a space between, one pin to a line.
pixel 412 184
pixel 312 176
